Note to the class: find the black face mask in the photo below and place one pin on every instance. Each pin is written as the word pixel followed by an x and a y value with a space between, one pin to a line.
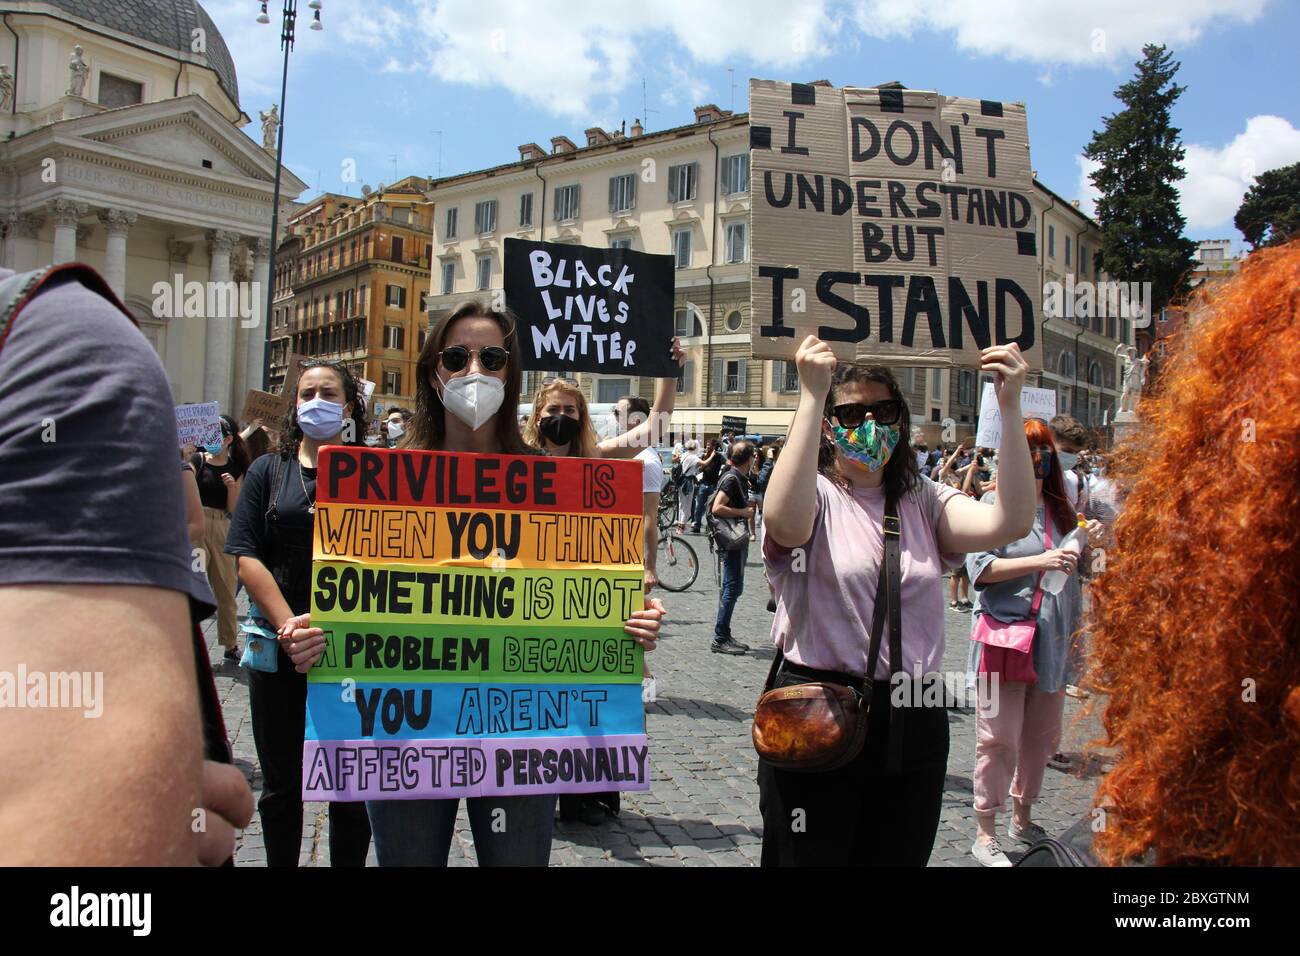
pixel 559 429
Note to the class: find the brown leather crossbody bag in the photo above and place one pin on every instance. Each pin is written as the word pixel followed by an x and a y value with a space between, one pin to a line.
pixel 822 725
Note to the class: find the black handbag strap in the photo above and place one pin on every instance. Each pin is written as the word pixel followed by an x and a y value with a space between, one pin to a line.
pixel 277 479
pixel 888 589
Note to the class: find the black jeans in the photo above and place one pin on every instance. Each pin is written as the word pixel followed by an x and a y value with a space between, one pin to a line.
pixel 860 814
pixel 278 703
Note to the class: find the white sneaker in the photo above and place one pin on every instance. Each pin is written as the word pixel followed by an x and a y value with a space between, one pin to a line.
pixel 989 853
pixel 648 690
pixel 1028 835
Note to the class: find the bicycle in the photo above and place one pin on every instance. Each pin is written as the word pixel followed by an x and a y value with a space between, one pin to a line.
pixel 677 566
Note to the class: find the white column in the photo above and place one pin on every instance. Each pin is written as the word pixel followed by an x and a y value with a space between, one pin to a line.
pixel 219 333
pixel 257 333
pixel 9 220
pixel 28 229
pixel 117 224
pixel 66 215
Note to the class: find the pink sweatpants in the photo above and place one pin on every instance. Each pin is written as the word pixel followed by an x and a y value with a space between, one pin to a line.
pixel 1019 740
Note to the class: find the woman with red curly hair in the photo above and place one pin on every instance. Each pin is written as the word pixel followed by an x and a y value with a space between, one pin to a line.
pixel 1018 725
pixel 1204 680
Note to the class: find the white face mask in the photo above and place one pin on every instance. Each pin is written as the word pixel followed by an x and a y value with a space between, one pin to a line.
pixel 395 430
pixel 473 398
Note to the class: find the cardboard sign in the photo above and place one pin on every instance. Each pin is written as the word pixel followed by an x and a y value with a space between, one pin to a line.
pixel 896 225
pixel 474 604
pixel 270 408
pixel 293 372
pixel 591 310
pixel 198 424
pixel 1034 403
pixel 733 424
pixel 367 390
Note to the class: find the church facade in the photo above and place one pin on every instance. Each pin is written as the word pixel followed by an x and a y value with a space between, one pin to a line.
pixel 121 147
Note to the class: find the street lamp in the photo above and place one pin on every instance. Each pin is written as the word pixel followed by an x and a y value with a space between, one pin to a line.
pixel 290 17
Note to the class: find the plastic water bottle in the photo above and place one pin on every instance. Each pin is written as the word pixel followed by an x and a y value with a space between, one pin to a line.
pixel 1053 581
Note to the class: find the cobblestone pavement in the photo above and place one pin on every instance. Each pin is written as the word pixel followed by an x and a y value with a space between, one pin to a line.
pixel 702 808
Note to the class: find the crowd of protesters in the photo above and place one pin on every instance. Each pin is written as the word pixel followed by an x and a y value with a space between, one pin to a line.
pixel 100 547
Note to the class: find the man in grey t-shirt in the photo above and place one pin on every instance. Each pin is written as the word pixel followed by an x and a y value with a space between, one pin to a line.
pixel 97 595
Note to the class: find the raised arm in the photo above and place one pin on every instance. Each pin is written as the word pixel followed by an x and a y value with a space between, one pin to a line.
pixel 654 429
pixel 790 505
pixel 968 525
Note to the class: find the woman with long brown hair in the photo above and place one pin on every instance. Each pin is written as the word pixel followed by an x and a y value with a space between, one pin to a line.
pixel 1018 724
pixel 470 367
pixel 1204 680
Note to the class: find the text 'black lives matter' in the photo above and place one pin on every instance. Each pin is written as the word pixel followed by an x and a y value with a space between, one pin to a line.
pixel 591 310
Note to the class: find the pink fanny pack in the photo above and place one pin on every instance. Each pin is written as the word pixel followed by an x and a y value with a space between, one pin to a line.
pixel 1009 646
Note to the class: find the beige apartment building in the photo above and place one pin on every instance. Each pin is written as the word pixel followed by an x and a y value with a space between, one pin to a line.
pixel 685 192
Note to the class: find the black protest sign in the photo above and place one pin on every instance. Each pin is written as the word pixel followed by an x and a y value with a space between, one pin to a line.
pixel 591 310
pixel 733 424
pixel 896 225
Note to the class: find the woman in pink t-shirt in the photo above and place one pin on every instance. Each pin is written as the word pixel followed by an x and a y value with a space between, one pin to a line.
pixel 823 549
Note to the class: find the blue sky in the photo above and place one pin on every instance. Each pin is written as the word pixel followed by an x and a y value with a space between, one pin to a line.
pixel 383 77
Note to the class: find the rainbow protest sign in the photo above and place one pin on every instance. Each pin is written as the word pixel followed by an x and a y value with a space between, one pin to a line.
pixel 473 607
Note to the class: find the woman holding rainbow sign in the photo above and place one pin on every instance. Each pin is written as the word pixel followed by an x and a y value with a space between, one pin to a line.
pixel 469 366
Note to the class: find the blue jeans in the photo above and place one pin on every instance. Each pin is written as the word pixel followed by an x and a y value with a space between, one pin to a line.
pixel 733 583
pixel 703 493
pixel 419 832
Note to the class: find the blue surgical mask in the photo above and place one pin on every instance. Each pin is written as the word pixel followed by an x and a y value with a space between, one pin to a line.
pixel 1068 459
pixel 320 419
pixel 215 447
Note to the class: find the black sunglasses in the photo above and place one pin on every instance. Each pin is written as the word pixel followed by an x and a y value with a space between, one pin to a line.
pixel 457 357
pixel 853 414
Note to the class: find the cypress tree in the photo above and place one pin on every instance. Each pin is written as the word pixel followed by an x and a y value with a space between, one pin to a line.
pixel 1140 156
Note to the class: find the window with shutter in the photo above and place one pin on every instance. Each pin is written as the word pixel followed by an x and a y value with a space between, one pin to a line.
pixel 485 217
pixel 735 174
pixel 681 182
pixel 525 210
pixel 452 217
pixel 566 202
pixel 717 376
pixel 684 380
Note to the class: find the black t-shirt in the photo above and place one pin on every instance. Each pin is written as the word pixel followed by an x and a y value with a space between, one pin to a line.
pixel 79 384
pixel 212 490
pixel 283 544
pixel 735 486
pixel 712 469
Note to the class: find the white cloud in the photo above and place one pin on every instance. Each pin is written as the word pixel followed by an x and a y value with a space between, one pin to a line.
pixel 1059 31
pixel 1218 177
pixel 1088 193
pixel 594 49
pixel 355 26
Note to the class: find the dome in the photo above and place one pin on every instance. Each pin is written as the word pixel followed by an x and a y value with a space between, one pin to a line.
pixel 168 23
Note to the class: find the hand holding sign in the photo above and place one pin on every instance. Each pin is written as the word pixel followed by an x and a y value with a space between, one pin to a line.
pixel 816 364
pixel 644 625
pixel 1011 369
pixel 303 643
